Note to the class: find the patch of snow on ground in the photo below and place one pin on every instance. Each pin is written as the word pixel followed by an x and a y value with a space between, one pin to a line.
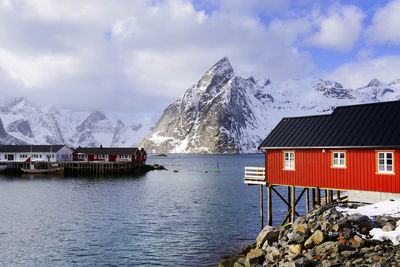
pixel 384 208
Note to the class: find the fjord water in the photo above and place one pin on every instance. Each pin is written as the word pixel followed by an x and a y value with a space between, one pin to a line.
pixel 188 218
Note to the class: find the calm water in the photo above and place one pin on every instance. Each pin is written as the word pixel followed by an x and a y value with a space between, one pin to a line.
pixel 189 218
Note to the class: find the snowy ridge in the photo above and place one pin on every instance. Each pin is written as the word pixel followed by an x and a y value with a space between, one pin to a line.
pixel 27 123
pixel 225 113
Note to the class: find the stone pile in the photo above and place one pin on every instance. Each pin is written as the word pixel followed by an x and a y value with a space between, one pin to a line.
pixel 325 237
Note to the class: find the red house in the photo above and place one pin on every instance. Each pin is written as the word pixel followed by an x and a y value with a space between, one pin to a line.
pixel 110 154
pixel 356 148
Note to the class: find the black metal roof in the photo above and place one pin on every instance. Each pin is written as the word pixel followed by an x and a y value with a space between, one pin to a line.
pixel 106 150
pixel 365 125
pixel 30 148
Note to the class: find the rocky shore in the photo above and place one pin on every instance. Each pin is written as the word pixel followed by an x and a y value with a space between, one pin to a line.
pixel 327 236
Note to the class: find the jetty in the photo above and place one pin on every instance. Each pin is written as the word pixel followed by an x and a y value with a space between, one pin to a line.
pixel 88 168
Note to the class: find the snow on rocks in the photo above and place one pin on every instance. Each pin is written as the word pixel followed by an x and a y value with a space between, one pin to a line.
pixel 341 234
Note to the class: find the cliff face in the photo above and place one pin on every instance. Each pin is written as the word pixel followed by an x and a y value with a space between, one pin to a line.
pixel 225 113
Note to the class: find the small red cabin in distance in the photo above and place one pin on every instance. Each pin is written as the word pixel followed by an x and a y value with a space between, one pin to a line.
pixel 110 154
pixel 356 148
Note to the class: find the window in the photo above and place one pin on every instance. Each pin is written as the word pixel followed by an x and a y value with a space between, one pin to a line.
pixel 385 162
pixel 339 159
pixel 288 160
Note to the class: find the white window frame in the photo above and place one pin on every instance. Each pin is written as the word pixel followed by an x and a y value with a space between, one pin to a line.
pixel 289 160
pixel 385 164
pixel 336 155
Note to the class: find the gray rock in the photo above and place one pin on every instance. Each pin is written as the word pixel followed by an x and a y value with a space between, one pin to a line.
pixel 296 237
pixel 268 234
pixel 329 247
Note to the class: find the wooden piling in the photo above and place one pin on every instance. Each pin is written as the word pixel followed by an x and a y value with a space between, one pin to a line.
pixel 307 200
pixel 289 201
pixel 293 203
pixel 269 205
pixel 261 207
pixel 318 196
pixel 313 198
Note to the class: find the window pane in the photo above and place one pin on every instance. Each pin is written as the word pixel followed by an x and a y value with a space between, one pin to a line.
pixel 381 168
pixel 342 155
pixel 381 162
pixel 389 155
pixel 335 161
pixel 342 161
pixel 380 155
pixel 389 168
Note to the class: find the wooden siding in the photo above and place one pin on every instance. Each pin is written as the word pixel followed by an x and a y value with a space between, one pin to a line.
pixel 313 168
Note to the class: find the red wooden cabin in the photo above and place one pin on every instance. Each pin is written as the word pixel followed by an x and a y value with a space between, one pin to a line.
pixel 356 148
pixel 110 154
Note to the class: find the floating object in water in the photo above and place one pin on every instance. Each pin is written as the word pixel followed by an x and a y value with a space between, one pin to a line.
pixel 176 171
pixel 205 171
pixel 217 171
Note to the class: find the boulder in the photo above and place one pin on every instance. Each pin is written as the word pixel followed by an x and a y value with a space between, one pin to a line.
pixel 254 257
pixel 315 239
pixel 296 237
pixel 329 247
pixel 295 249
pixel 268 234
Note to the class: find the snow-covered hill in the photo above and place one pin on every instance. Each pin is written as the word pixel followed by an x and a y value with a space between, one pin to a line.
pixel 27 123
pixel 225 113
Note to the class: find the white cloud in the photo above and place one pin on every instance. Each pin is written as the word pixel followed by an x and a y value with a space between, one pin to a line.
pixel 338 30
pixel 126 55
pixel 385 25
pixel 359 73
pixel 35 71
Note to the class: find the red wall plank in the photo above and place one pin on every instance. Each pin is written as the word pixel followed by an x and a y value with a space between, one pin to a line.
pixel 313 169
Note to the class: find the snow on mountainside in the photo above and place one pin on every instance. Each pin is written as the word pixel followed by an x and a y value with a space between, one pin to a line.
pixel 225 113
pixel 27 123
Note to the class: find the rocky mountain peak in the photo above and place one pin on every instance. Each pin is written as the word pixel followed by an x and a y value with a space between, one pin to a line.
pixel 374 83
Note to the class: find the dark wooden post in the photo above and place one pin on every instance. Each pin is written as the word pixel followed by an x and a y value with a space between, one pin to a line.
pixel 261 206
pixel 293 203
pixel 331 196
pixel 313 198
pixel 307 200
pixel 318 196
pixel 289 201
pixel 326 196
pixel 338 195
pixel 269 205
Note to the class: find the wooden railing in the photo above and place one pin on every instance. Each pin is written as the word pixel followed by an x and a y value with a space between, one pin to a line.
pixel 254 175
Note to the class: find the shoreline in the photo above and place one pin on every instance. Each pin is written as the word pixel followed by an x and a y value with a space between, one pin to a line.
pixel 330 235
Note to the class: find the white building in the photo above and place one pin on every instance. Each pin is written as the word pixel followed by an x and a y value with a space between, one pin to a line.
pixel 44 153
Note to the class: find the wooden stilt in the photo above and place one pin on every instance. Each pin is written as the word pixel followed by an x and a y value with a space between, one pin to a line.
pixel 338 195
pixel 331 196
pixel 313 198
pixel 261 206
pixel 318 196
pixel 289 201
pixel 293 203
pixel 326 196
pixel 269 205
pixel 307 200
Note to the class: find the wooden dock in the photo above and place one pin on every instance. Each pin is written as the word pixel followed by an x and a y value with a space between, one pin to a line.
pixel 87 168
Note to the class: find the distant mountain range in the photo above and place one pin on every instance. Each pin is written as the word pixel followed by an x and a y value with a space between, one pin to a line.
pixel 225 113
pixel 221 113
pixel 24 123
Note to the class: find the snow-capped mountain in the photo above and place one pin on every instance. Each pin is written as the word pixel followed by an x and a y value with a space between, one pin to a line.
pixel 27 123
pixel 225 113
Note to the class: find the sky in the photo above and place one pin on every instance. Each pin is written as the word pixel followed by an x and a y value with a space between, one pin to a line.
pixel 136 57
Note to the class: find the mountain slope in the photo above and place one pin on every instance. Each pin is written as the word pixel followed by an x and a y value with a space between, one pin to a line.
pixel 49 125
pixel 225 113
